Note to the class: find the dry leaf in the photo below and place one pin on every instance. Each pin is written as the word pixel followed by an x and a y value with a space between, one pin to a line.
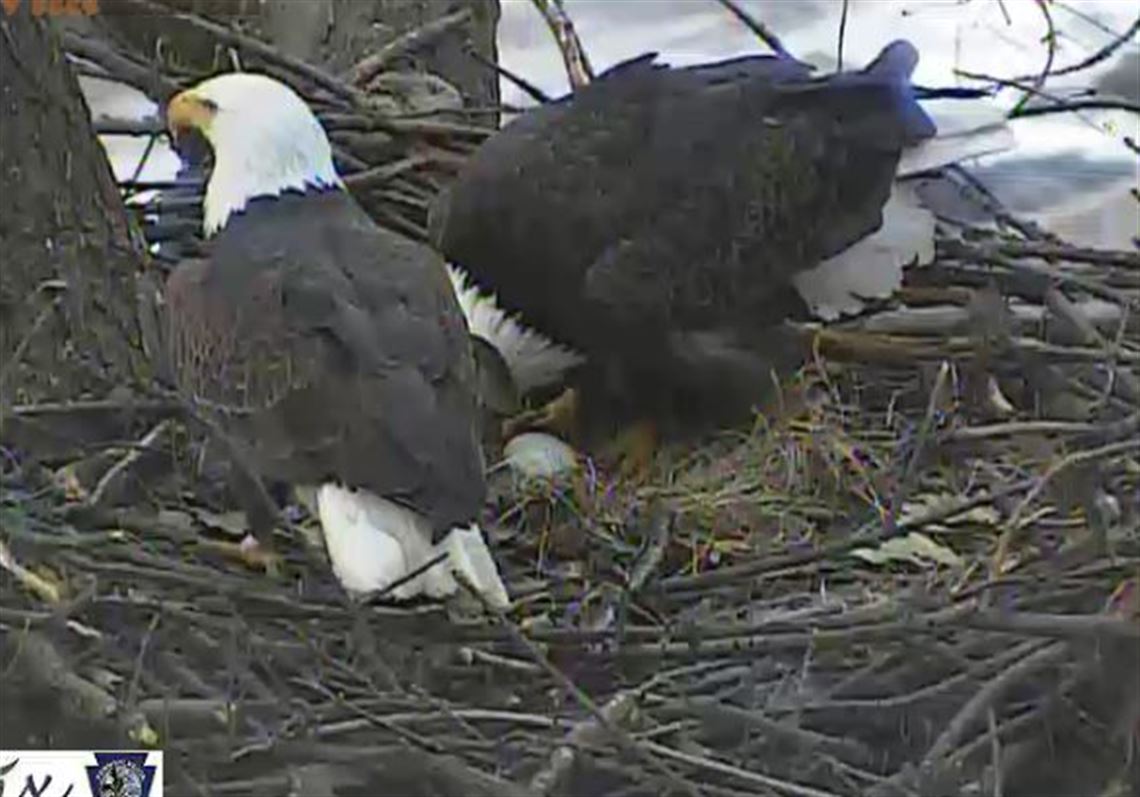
pixel 914 548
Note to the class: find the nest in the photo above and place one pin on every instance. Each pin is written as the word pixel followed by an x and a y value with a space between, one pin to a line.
pixel 919 573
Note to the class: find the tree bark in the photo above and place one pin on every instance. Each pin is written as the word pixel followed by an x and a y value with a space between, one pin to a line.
pixel 68 323
pixel 341 32
pixel 333 34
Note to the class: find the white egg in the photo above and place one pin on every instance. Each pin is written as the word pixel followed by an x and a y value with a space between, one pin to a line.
pixel 536 455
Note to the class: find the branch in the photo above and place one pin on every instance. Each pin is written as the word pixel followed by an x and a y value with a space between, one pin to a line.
pixel 1080 104
pixel 44 666
pixel 1056 104
pixel 257 47
pixel 762 31
pixel 372 65
pixel 147 80
pixel 1050 55
pixel 634 747
pixel 842 37
pixel 590 733
pixel 989 695
pixel 1100 55
pixel 939 395
pixel 578 68
pixel 528 88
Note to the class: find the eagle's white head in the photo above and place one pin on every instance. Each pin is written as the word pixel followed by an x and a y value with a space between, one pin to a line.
pixel 265 141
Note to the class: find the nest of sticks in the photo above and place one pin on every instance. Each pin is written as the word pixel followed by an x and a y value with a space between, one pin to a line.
pixel 919 573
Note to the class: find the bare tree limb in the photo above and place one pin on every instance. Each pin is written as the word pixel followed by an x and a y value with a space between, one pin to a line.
pixel 369 67
pixel 1100 55
pixel 578 68
pixel 762 31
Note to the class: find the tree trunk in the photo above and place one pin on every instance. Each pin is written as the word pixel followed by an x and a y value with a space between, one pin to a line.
pixel 338 33
pixel 68 325
pixel 333 34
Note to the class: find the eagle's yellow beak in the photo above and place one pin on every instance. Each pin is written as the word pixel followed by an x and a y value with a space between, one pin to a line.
pixel 190 111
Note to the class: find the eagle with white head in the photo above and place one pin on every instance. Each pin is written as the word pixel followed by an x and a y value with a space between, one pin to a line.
pixel 332 351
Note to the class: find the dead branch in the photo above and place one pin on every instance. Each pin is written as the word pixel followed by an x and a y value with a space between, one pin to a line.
pixel 1103 54
pixel 578 68
pixel 372 65
pixel 762 31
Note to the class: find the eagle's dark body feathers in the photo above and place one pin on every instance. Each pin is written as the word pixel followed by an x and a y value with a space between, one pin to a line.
pixel 656 205
pixel 326 365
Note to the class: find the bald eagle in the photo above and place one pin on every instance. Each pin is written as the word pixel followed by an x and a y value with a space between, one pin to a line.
pixel 333 352
pixel 662 223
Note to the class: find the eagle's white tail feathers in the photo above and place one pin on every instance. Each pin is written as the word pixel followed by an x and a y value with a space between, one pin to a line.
pixel 534 360
pixel 468 554
pixel 873 267
pixel 373 542
pixel 966 129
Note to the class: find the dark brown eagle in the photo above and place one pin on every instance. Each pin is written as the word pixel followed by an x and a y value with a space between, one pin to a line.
pixel 332 351
pixel 665 222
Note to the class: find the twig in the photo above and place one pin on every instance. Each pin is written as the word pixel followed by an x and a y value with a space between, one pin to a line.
pixel 152 139
pixel 661 525
pixel 842 37
pixel 378 175
pixel 864 534
pixel 116 472
pixel 1064 626
pixel 1005 13
pixel 1012 525
pixel 1086 17
pixel 805 740
pixel 1088 335
pixel 411 737
pixel 992 254
pixel 995 753
pixel 42 663
pixel 409 576
pixel 617 713
pixel 1057 104
pixel 1029 229
pixel 724 768
pixel 624 740
pixel 1048 251
pixel 105 126
pixel 372 65
pixel 1076 458
pixel 1050 55
pixel 762 31
pixel 257 47
pixel 1078 104
pixel 987 696
pixel 1012 428
pixel 120 67
pixel 1102 54
pixel 528 88
pixel 574 57
pixel 936 399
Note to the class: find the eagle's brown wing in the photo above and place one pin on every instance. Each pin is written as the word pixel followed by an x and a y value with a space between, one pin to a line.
pixel 658 200
pixel 331 349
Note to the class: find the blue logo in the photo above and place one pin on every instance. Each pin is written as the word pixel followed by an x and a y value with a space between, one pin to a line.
pixel 120 775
